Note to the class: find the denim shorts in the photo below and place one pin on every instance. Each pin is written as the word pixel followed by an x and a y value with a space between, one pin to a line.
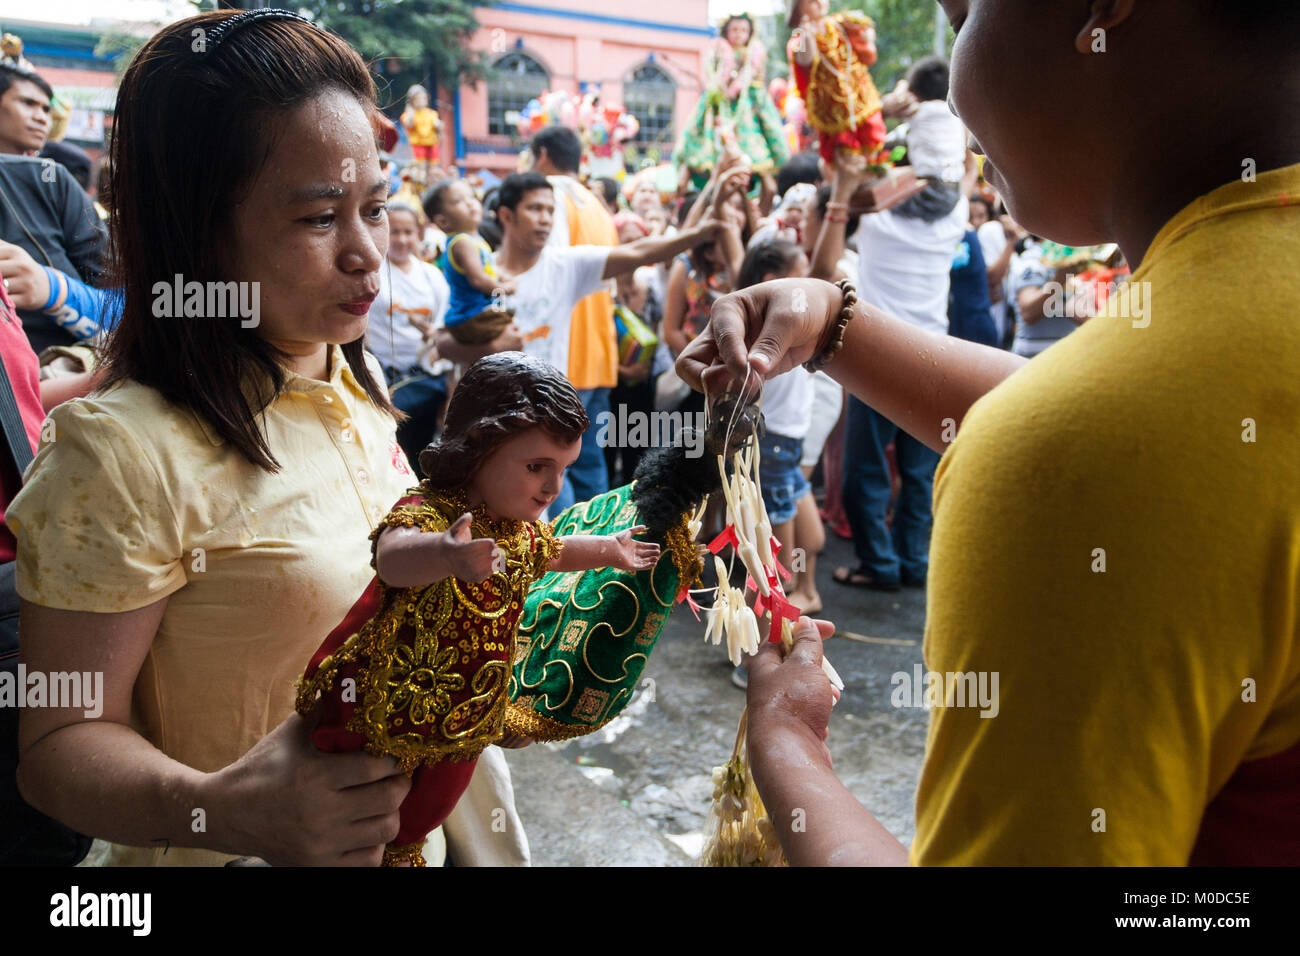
pixel 783 482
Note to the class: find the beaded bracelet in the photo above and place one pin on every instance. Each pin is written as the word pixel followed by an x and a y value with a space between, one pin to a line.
pixel 836 340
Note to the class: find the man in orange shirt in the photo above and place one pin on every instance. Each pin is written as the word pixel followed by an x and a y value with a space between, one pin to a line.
pixel 581 220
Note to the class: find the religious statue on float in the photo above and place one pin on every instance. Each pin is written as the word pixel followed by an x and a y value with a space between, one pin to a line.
pixel 736 109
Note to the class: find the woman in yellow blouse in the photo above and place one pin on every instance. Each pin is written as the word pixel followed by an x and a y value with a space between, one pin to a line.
pixel 194 529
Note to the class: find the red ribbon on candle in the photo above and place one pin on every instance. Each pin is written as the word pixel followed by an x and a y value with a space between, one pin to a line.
pixel 780 608
pixel 728 537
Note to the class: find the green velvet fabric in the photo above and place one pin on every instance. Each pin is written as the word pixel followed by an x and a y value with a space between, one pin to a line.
pixel 585 636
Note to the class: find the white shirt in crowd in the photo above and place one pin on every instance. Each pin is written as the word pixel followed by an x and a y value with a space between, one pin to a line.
pixel 936 142
pixel 993 239
pixel 904 264
pixel 787 403
pixel 421 294
pixel 547 294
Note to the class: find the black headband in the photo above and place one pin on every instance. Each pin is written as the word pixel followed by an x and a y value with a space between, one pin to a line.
pixel 241 20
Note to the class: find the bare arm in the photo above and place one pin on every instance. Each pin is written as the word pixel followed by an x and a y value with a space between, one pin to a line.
pixel 55 391
pixel 508 341
pixel 283 801
pixel 1012 232
pixel 675 309
pixel 1032 302
pixel 584 551
pixel 652 249
pixel 849 172
pixel 411 558
pixel 997 270
pixel 970 174
pixel 918 379
pixel 732 249
pixel 466 258
pixel 818 821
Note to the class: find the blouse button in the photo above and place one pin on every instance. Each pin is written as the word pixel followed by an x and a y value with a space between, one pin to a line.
pixel 363 476
pixel 327 399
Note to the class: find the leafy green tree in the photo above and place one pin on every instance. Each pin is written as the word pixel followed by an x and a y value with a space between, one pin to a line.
pixel 121 46
pixel 408 41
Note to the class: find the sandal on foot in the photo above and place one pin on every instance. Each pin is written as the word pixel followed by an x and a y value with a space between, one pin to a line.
pixel 862 578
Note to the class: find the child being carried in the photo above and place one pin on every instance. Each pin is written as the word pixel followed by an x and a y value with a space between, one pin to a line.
pixel 476 313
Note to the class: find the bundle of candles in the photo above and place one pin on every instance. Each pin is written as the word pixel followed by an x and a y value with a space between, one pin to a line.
pixel 739 832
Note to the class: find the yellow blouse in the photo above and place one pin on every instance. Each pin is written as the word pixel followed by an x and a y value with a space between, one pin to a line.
pixel 134 499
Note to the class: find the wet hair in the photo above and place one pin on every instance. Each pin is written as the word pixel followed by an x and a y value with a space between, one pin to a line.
pixel 174 197
pixel 928 78
pixel 514 187
pixel 823 199
pixel 499 397
pixel 770 255
pixel 436 195
pixel 8 75
pixel 562 146
pixel 800 168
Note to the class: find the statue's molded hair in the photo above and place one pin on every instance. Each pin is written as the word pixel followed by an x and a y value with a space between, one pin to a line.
pixel 500 396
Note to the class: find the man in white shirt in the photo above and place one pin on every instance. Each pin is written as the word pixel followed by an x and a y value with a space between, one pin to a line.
pixel 903 269
pixel 581 219
pixel 551 280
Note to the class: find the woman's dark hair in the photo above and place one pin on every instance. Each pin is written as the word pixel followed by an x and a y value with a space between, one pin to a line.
pixel 191 130
pixel 770 255
pixel 499 397
pixel 928 78
pixel 103 181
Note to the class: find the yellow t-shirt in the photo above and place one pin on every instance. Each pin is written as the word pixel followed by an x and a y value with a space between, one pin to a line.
pixel 1162 439
pixel 137 499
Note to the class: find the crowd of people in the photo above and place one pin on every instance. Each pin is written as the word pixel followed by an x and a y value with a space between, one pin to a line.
pixel 216 480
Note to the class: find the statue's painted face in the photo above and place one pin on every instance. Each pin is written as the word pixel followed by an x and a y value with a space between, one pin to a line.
pixel 738 31
pixel 521 478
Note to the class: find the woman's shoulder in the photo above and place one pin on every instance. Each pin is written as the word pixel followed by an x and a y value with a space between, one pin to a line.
pixel 130 406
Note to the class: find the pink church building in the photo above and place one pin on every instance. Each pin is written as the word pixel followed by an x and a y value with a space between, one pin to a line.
pixel 647 56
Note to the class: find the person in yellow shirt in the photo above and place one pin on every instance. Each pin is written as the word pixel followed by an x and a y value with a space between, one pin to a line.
pixel 1137 598
pixel 194 529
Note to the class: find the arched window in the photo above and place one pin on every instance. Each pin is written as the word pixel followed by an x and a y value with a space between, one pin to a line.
pixel 650 94
pixel 513 80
